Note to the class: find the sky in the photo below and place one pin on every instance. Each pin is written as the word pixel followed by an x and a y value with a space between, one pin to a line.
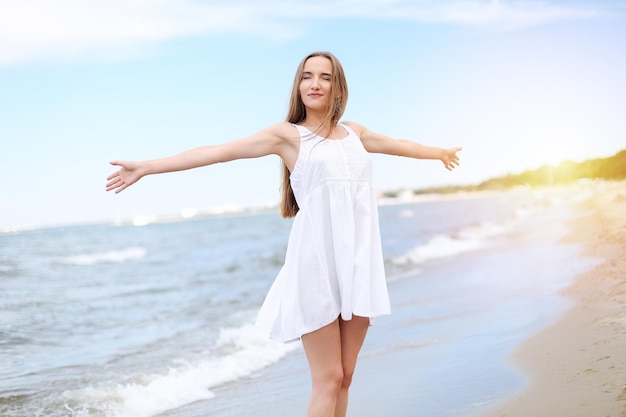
pixel 517 84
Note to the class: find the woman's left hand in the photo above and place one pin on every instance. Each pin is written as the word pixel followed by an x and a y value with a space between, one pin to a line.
pixel 450 159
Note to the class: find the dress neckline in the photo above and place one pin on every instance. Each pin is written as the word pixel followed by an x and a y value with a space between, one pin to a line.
pixel 344 127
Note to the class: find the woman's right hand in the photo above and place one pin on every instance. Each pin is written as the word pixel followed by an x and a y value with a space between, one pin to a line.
pixel 129 173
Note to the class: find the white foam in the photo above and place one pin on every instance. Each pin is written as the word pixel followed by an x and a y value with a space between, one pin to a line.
pixel 441 246
pixel 245 350
pixel 483 230
pixel 114 256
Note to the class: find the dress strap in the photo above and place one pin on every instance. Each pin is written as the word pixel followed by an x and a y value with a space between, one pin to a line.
pixel 301 130
pixel 306 134
pixel 348 129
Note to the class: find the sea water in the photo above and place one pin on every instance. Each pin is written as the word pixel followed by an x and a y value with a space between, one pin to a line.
pixel 122 320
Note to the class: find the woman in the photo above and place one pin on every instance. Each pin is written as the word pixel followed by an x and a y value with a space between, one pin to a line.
pixel 332 282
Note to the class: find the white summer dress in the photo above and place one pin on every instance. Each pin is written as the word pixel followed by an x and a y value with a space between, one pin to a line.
pixel 334 262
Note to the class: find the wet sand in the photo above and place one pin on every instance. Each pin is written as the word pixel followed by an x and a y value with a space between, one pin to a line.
pixel 577 366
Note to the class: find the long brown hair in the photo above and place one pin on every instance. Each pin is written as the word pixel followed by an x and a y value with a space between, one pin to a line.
pixel 297 113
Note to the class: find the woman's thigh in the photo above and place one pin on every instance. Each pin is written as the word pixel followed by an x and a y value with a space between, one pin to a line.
pixel 353 334
pixel 323 352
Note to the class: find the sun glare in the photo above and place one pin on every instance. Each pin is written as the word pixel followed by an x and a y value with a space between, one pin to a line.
pixel 553 153
pixel 550 154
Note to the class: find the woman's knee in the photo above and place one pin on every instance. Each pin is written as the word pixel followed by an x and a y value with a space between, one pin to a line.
pixel 346 379
pixel 331 381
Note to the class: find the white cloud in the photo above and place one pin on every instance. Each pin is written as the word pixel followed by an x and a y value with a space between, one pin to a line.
pixel 39 29
pixel 507 14
pixel 32 29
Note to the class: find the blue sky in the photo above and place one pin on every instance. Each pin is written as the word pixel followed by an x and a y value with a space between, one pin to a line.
pixel 516 83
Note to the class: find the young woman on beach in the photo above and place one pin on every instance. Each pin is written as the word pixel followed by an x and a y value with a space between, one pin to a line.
pixel 332 282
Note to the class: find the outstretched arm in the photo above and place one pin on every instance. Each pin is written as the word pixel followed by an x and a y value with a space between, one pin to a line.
pixel 377 143
pixel 266 142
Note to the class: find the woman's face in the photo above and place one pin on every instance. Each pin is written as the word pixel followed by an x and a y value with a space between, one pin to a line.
pixel 315 84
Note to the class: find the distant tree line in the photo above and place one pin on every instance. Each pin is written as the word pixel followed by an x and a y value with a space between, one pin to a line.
pixel 611 168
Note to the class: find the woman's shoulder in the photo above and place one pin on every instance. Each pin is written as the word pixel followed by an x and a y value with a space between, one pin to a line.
pixel 357 128
pixel 282 130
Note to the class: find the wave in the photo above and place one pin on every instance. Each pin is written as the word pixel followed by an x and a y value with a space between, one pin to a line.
pixel 114 256
pixel 441 246
pixel 244 350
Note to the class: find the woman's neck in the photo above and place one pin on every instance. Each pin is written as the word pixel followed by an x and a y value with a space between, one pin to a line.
pixel 318 124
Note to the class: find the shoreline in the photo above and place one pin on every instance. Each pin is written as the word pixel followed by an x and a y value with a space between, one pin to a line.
pixel 576 366
pixel 436 337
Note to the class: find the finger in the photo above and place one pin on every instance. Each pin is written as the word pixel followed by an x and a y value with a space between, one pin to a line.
pixel 115 174
pixel 114 184
pixel 113 181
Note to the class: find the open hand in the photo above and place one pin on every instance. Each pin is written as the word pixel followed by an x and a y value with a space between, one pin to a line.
pixel 450 159
pixel 127 175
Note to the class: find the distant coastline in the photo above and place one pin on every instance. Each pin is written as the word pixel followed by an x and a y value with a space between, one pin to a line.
pixel 612 168
pixel 567 172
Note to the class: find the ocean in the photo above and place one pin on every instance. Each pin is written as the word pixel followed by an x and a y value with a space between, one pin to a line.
pixel 141 321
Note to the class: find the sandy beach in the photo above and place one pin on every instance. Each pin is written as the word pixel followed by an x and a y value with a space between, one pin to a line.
pixel 576 366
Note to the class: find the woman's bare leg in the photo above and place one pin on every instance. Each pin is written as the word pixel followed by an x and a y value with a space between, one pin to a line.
pixel 332 353
pixel 323 351
pixel 352 336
